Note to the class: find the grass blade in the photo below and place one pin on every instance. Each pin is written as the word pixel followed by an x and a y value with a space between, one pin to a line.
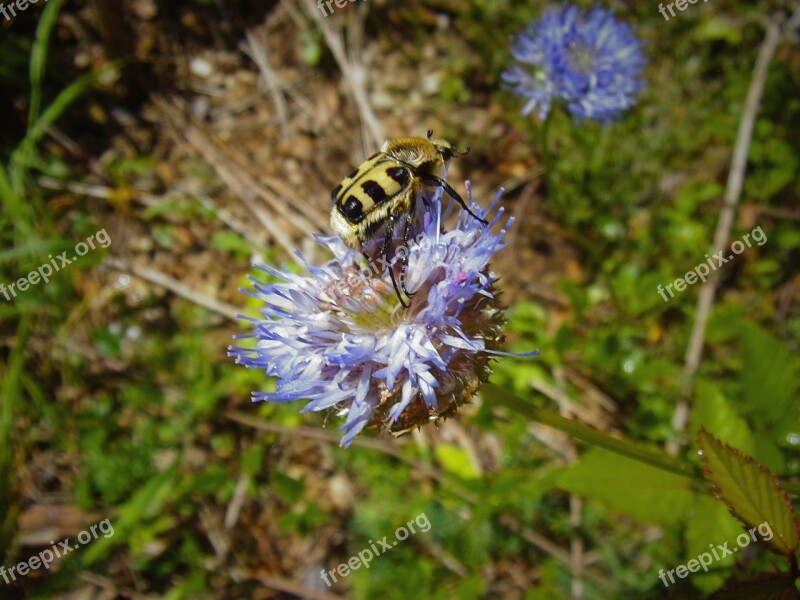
pixel 38 67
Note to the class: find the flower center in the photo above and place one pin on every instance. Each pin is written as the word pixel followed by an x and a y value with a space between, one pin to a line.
pixel 368 301
pixel 580 56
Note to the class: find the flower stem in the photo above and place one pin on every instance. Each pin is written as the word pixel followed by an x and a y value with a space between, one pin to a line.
pixel 650 456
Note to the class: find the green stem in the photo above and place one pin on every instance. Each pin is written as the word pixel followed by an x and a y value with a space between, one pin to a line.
pixel 649 456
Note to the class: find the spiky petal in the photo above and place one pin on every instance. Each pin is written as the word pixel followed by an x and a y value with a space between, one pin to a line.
pixel 339 337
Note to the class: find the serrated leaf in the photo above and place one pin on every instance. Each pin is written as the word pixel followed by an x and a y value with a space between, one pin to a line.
pixel 751 491
pixel 645 493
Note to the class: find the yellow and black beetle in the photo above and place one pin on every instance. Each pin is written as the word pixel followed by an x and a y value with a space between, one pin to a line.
pixel 385 188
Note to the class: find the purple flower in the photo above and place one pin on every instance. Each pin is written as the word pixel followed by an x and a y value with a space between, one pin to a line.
pixel 585 58
pixel 339 337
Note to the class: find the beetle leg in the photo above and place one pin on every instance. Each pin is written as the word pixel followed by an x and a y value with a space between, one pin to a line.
pixel 439 182
pixel 387 243
pixel 404 258
pixel 425 201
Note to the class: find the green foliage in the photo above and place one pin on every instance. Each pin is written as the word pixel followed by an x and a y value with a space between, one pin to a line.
pixel 144 434
pixel 645 493
pixel 751 491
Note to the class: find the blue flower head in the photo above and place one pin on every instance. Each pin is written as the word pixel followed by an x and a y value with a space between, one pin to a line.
pixel 339 337
pixel 585 58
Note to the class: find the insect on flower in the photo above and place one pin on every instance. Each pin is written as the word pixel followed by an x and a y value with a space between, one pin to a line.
pixel 384 189
pixel 337 337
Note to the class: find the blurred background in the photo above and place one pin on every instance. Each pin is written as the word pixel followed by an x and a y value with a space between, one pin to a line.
pixel 204 136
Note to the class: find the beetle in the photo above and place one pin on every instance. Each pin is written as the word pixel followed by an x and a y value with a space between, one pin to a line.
pixel 384 189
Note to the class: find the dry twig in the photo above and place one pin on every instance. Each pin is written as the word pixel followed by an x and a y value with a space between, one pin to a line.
pixel 733 192
pixel 256 48
pixel 156 277
pixel 237 177
pixel 355 75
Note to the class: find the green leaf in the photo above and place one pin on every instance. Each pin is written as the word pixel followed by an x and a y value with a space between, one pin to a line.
pixel 751 491
pixel 287 488
pixel 231 242
pixel 714 412
pixel 456 461
pixel 645 493
pixel 51 114
pixel 645 454
pixel 720 28
pixel 146 504
pixel 41 44
pixel 252 459
pixel 769 378
pixel 10 400
pixel 710 523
